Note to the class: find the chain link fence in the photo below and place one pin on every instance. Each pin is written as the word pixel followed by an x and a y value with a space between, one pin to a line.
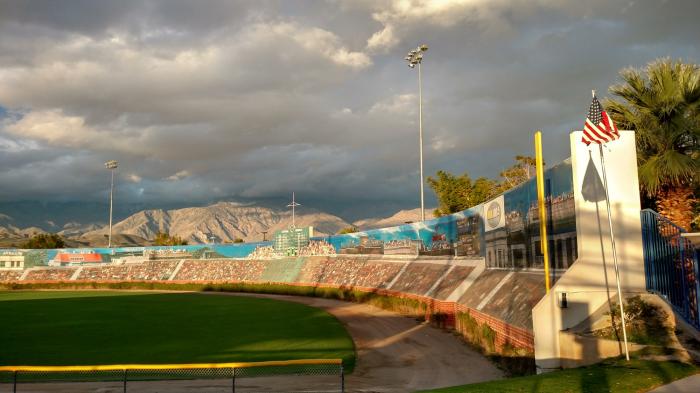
pixel 317 375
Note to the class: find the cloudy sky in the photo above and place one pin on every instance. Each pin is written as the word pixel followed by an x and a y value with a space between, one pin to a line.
pixel 207 100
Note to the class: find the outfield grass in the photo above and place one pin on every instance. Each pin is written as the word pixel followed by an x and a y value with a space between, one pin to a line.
pixel 617 376
pixel 81 328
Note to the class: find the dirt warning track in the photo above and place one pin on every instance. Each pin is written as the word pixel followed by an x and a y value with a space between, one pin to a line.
pixel 398 354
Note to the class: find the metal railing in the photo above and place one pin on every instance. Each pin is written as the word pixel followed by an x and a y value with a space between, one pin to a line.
pixel 671 265
pixel 279 373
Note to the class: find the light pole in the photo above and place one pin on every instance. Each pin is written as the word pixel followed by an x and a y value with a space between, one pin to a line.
pixel 111 165
pixel 293 205
pixel 415 57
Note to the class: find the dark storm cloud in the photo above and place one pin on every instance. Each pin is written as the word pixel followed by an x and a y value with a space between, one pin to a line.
pixel 207 100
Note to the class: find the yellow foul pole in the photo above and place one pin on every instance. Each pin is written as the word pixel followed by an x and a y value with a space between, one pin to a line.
pixel 541 206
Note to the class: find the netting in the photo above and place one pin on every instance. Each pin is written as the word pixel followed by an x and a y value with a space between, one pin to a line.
pixel 301 376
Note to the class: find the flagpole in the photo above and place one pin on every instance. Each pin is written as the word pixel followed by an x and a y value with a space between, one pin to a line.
pixel 612 240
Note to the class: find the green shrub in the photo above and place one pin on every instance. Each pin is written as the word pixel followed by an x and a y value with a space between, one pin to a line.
pixel 646 323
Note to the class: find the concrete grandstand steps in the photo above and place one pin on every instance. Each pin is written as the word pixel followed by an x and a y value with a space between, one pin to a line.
pixel 463 286
pixel 177 269
pixel 418 278
pixel 514 301
pixel 24 275
pixel 430 291
pixel 493 292
pixel 459 269
pixel 398 276
pixel 453 279
pixel 505 294
pixel 76 274
pixel 482 287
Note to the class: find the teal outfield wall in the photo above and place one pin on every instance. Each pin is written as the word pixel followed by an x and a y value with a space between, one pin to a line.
pixel 504 231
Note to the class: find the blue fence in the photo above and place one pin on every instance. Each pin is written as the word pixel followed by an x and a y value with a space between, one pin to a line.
pixel 671 265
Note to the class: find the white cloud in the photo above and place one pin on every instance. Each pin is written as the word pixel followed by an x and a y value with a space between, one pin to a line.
pixel 399 105
pixel 58 129
pixel 134 178
pixel 401 17
pixel 179 175
pixel 443 143
pixel 383 39
pixel 313 40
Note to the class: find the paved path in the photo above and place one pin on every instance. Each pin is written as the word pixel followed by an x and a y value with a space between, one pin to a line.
pixel 689 384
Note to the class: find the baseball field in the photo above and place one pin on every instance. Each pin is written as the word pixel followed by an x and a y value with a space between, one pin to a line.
pixel 100 327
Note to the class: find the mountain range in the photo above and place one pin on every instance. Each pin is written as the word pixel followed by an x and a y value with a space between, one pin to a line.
pixel 218 222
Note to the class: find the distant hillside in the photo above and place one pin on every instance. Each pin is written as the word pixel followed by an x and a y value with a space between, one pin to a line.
pixel 98 240
pixel 399 218
pixel 225 221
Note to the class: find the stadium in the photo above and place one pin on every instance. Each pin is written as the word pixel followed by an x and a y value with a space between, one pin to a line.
pixel 365 311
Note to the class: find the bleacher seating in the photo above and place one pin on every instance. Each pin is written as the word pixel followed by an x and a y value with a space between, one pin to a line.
pixel 146 271
pixel 10 275
pixel 221 270
pixel 264 252
pixel 50 274
pixel 451 281
pixel 316 247
pixel 419 277
pixel 349 272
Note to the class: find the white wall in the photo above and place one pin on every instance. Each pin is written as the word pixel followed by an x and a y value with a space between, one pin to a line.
pixel 590 281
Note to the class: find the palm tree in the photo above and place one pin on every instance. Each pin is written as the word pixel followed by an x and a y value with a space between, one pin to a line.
pixel 662 104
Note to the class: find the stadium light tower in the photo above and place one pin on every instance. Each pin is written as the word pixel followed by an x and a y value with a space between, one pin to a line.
pixel 111 165
pixel 415 57
pixel 293 205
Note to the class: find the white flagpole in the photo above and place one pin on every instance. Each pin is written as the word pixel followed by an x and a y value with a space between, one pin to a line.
pixel 612 239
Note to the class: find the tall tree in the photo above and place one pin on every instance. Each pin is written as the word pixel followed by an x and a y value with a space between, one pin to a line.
pixel 345 230
pixel 661 102
pixel 44 241
pixel 457 193
pixel 164 239
pixel 522 171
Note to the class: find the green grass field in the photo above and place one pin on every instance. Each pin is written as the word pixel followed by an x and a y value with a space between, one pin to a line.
pixel 615 375
pixel 80 328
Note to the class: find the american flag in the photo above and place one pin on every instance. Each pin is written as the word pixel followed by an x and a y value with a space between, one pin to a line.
pixel 599 127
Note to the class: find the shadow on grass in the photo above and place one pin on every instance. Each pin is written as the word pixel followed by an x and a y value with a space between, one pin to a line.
pixel 615 375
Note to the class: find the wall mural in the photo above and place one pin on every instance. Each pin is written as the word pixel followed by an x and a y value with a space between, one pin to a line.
pixel 504 231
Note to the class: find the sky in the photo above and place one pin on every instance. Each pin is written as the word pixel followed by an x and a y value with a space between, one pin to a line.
pixel 202 101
